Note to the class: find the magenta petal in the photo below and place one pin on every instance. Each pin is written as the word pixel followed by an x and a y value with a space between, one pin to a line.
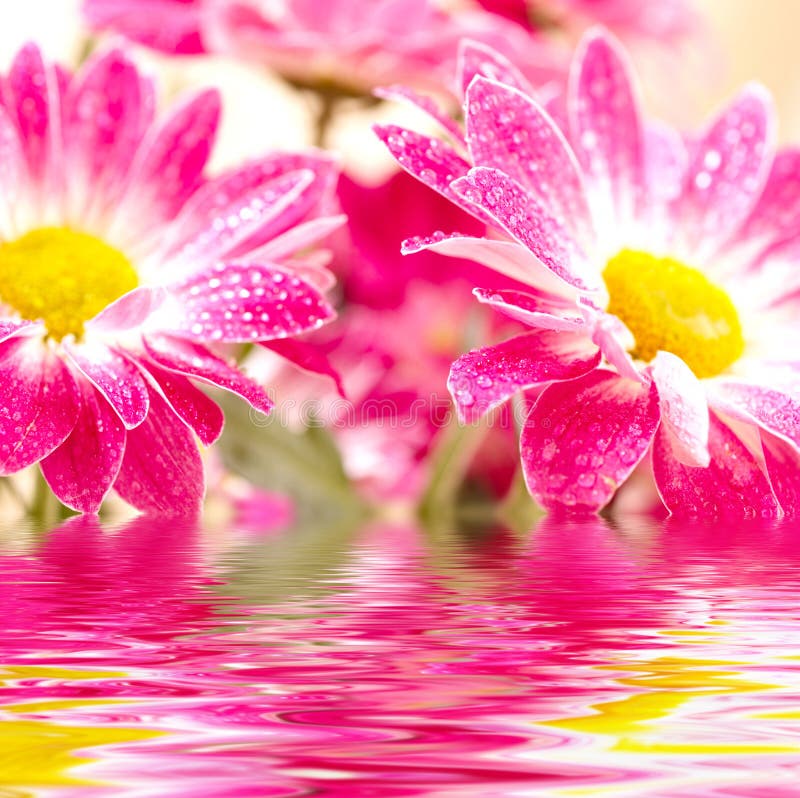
pixel 684 409
pixel 28 92
pixel 171 163
pixel 39 403
pixel 583 439
pixel 234 302
pixel 767 407
pixel 430 160
pixel 783 465
pixel 530 222
pixel 162 471
pixel 245 219
pixel 605 120
pixel 666 161
pixel 199 411
pixel 541 310
pixel 12 177
pixel 425 104
pixel 13 329
pixel 306 357
pixel 506 257
pixel 728 169
pixel 81 471
pixel 130 310
pixel 484 378
pixel 508 131
pixel 613 338
pixel 476 59
pixel 775 215
pixel 115 377
pixel 734 484
pixel 195 361
pixel 216 197
pixel 108 109
pixel 302 236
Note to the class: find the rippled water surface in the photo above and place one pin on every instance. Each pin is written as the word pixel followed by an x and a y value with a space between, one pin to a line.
pixel 576 659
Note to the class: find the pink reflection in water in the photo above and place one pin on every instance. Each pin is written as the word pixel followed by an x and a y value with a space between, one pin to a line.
pixel 654 658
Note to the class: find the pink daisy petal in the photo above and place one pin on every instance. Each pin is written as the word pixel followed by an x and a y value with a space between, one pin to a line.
pixel 684 409
pixel 727 170
pixel 162 471
pixel 39 403
pixel 299 237
pixel 199 411
pixel 28 93
pixel 734 483
pixel 82 469
pixel 108 108
pixel 247 302
pixel 583 439
pixel 530 222
pixel 508 131
pixel 475 59
pixel 311 271
pixel 170 163
pixel 117 379
pixel 431 161
pixel 614 339
pixel 212 199
pixel 505 257
pixel 243 219
pixel 774 217
pixel 264 183
pixel 605 120
pixel 783 465
pixel 195 361
pixel 12 329
pixel 11 169
pixel 306 357
pixel 130 310
pixel 773 409
pixel 545 311
pixel 484 378
pixel 666 160
pixel 403 94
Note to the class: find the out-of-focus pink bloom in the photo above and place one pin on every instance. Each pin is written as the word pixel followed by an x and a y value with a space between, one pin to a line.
pixel 663 22
pixel 172 26
pixel 402 323
pixel 347 45
pixel 662 287
pixel 372 270
pixel 394 364
pixel 123 268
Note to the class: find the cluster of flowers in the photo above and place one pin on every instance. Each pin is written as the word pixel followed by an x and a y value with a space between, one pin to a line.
pixel 648 278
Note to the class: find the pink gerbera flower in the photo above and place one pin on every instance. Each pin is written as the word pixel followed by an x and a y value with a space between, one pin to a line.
pixel 122 269
pixel 663 278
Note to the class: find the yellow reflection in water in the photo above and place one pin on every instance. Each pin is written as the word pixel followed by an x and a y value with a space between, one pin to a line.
pixel 671 684
pixel 37 752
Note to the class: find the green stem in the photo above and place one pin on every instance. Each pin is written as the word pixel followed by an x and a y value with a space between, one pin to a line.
pixel 450 461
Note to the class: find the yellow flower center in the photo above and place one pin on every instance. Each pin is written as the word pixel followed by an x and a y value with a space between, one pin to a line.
pixel 62 277
pixel 668 305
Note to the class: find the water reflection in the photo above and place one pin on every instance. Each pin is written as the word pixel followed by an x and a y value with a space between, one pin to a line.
pixel 582 658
